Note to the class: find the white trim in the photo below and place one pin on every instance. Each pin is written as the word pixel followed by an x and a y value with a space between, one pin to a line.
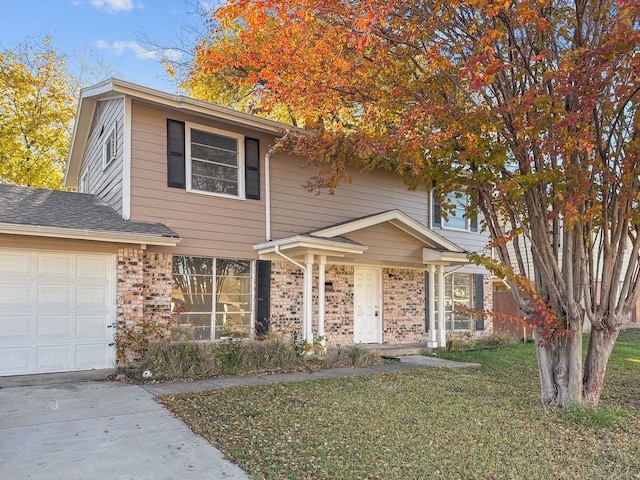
pixel 239 138
pixel 110 144
pixel 319 245
pixel 83 234
pixel 126 161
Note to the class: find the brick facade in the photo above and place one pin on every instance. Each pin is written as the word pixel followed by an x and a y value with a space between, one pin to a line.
pixel 143 289
pixel 403 298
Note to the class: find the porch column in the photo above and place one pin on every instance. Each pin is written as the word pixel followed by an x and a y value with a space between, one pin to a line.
pixel 307 300
pixel 431 308
pixel 321 275
pixel 442 329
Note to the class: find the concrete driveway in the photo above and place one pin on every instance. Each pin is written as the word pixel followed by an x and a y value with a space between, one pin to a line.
pixel 100 430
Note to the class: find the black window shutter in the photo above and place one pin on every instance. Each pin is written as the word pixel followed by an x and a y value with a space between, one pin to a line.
pixel 436 215
pixel 252 168
pixel 480 300
pixel 426 299
pixel 175 154
pixel 264 297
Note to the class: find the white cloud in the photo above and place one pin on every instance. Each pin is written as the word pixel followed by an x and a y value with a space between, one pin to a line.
pixel 113 6
pixel 120 47
pixel 171 54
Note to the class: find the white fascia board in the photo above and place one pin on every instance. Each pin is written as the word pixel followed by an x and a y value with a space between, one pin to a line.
pixel 192 105
pixel 444 257
pixel 306 243
pixel 83 234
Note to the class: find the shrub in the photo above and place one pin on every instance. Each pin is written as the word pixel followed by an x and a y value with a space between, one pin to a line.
pixel 269 354
pixel 357 357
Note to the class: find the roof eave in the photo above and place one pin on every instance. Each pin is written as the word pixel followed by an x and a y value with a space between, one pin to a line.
pixel 317 245
pixel 86 234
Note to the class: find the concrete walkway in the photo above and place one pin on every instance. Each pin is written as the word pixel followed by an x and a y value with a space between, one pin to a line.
pixel 61 427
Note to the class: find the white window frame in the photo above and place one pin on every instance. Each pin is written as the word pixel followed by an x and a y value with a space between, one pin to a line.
pixel 443 222
pixel 241 160
pixel 213 314
pixel 450 321
pixel 110 143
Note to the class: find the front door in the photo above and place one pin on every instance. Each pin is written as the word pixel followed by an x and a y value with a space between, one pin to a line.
pixel 367 298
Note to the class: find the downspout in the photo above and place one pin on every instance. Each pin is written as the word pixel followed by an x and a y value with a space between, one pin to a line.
pixel 307 334
pixel 267 196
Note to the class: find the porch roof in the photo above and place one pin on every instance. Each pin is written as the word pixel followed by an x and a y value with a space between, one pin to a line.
pixel 333 241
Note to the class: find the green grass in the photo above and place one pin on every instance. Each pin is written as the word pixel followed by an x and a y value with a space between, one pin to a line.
pixel 484 423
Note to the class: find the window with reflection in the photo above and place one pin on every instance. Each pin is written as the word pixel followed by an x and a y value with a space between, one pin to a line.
pixel 211 298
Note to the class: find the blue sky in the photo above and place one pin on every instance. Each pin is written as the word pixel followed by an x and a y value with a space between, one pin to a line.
pixel 117 33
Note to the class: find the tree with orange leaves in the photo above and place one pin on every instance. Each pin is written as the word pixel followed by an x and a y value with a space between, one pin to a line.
pixel 532 106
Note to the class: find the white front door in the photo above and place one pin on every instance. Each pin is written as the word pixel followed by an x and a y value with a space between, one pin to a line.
pixel 367 298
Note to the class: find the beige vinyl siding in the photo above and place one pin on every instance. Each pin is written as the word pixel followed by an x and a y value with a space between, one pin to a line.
pixel 389 246
pixel 209 225
pixel 106 183
pixel 228 228
pixel 295 210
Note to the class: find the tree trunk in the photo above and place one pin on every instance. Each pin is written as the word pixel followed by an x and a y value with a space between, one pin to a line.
pixel 560 369
pixel 600 347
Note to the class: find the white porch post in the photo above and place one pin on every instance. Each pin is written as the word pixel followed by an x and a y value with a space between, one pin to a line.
pixel 431 308
pixel 321 276
pixel 307 316
pixel 442 329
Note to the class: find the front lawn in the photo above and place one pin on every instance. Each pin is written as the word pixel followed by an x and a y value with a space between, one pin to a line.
pixel 483 423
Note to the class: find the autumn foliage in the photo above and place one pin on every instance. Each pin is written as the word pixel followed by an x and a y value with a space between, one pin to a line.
pixel 531 106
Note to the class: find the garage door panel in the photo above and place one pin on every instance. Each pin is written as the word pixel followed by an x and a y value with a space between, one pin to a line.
pixel 95 296
pixel 53 358
pixel 15 263
pixel 51 295
pixel 16 360
pixel 57 265
pixel 91 266
pixel 54 327
pixel 55 311
pixel 16 295
pixel 92 326
pixel 92 355
pixel 14 328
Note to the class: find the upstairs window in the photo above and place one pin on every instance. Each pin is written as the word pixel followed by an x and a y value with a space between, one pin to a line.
pixel 456 217
pixel 207 160
pixel 215 162
pixel 109 149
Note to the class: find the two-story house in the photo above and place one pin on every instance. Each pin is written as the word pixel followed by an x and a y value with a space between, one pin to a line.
pixel 186 217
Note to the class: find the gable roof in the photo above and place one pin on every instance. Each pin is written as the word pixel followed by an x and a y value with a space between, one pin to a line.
pixel 333 240
pixel 116 88
pixel 52 213
pixel 396 218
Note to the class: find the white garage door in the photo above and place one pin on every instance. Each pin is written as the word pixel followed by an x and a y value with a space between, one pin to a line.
pixel 55 311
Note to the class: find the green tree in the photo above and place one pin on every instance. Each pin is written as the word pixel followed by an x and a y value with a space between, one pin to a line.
pixel 37 107
pixel 532 106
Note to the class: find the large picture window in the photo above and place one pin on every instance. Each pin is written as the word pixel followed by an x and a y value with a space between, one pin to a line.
pixel 215 162
pixel 211 298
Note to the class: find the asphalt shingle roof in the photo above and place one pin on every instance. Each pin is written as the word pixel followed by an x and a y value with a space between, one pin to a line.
pixel 52 208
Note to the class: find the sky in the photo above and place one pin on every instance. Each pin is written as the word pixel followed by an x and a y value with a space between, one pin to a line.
pixel 119 37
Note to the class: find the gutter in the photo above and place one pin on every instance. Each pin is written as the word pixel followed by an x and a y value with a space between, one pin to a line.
pixel 85 234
